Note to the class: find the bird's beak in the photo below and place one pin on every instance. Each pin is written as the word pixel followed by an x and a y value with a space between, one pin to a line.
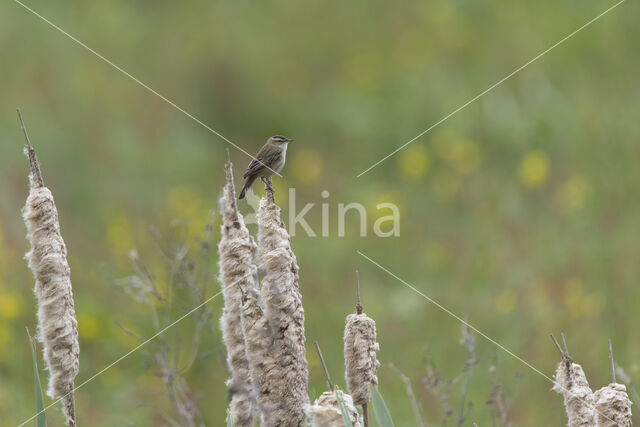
pixel 290 140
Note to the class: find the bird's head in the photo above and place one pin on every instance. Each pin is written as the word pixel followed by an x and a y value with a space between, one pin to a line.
pixel 279 140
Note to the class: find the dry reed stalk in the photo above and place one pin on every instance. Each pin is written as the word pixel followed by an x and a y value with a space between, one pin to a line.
pixel 325 411
pixel 237 251
pixel 361 364
pixel 281 383
pixel 47 259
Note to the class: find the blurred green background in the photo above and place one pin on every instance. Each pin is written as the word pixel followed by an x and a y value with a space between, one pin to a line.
pixel 521 212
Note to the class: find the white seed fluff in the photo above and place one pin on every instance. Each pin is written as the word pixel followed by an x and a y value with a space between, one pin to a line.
pixel 238 273
pixel 361 364
pixel 325 411
pixel 57 324
pixel 282 388
pixel 613 406
pixel 579 402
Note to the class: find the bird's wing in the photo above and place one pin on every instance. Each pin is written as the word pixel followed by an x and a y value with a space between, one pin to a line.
pixel 264 157
pixel 255 165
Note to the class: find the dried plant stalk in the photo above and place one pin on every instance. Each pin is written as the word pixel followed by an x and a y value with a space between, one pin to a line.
pixel 47 259
pixel 613 406
pixel 361 364
pixel 325 411
pixel 281 387
pixel 237 251
pixel 579 403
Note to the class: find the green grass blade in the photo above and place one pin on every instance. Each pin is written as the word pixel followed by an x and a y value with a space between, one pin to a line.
pixel 343 409
pixel 380 408
pixel 229 420
pixel 41 420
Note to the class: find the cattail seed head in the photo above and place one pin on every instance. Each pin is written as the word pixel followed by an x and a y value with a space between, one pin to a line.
pixel 572 383
pixel 325 411
pixel 361 364
pixel 238 273
pixel 613 406
pixel 57 324
pixel 282 388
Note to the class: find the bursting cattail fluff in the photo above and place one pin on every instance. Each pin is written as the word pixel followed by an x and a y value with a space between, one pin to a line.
pixel 57 325
pixel 361 364
pixel 613 406
pixel 325 411
pixel 282 393
pixel 572 383
pixel 238 273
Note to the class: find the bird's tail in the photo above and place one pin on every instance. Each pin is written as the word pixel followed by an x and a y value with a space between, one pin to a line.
pixel 246 186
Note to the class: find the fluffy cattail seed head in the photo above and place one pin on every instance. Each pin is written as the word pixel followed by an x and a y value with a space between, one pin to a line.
pixel 361 364
pixel 572 383
pixel 613 406
pixel 325 411
pixel 238 273
pixel 57 325
pixel 282 390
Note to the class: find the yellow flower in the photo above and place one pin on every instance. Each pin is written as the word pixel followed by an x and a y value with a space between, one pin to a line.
pixel 306 165
pixel 505 301
pixel 414 161
pixel 534 169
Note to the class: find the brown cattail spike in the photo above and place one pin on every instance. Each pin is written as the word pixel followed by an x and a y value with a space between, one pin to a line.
pixel 358 305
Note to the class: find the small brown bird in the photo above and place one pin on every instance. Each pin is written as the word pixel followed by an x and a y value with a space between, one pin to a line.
pixel 269 160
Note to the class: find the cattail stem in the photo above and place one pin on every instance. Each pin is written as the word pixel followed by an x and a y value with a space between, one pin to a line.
pixel 555 341
pixel 365 414
pixel 613 365
pixel 268 185
pixel 358 305
pixel 33 159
